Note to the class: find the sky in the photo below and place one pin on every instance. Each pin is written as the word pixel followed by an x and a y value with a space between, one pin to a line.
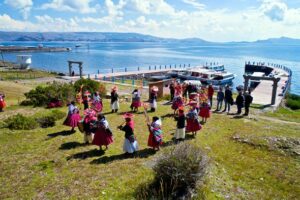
pixel 212 20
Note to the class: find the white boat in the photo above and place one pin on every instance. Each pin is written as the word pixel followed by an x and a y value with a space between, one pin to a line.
pixel 209 75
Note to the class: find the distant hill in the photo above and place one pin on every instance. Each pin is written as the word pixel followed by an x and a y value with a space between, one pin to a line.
pixel 117 37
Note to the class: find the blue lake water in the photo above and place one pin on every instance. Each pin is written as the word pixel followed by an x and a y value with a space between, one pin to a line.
pixel 104 56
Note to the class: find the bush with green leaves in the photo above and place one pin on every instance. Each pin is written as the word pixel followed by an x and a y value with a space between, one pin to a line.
pixel 90 85
pixel 20 122
pixel 42 95
pixel 178 172
pixel 57 114
pixel 46 121
pixel 293 101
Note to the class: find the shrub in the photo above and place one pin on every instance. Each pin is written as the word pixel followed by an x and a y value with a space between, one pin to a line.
pixel 293 101
pixel 177 173
pixel 46 121
pixel 88 84
pixel 57 114
pixel 42 95
pixel 20 122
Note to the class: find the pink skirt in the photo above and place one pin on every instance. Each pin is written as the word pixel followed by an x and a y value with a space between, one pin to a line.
pixel 72 120
pixel 102 138
pixel 136 104
pixel 2 104
pixel 204 112
pixel 193 125
pixel 97 106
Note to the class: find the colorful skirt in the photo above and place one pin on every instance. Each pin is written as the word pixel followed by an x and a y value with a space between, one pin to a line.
pixel 176 104
pixel 2 104
pixel 72 120
pixel 180 133
pixel 136 104
pixel 102 138
pixel 154 141
pixel 130 147
pixel 193 125
pixel 115 105
pixel 204 112
pixel 97 106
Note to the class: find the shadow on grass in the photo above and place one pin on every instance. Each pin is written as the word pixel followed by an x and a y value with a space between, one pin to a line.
pixel 61 133
pixel 86 154
pixel 238 117
pixel 145 153
pixel 175 142
pixel 71 145
pixel 169 115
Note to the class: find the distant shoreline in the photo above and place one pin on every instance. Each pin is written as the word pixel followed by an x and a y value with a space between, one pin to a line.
pixel 8 49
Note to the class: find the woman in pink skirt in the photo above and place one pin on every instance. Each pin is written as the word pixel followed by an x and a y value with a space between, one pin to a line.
pixel 136 100
pixel 193 124
pixel 103 135
pixel 73 117
pixel 97 104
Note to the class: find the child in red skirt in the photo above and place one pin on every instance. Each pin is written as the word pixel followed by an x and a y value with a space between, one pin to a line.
pixel 204 111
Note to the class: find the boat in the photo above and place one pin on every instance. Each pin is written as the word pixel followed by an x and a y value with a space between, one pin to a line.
pixel 215 75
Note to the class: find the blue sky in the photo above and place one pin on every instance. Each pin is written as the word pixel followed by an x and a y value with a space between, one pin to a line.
pixel 214 20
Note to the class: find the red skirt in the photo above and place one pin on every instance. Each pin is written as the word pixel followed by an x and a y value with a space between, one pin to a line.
pixel 152 141
pixel 102 138
pixel 204 112
pixel 72 120
pixel 2 104
pixel 176 104
pixel 193 125
pixel 136 104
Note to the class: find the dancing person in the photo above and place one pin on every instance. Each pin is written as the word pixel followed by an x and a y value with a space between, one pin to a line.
pixel 2 102
pixel 210 94
pixel 86 99
pixel 177 102
pixel 220 98
pixel 130 144
pixel 193 124
pixel 153 98
pixel 155 135
pixel 97 103
pixel 240 102
pixel 180 126
pixel 114 99
pixel 204 111
pixel 228 99
pixel 103 134
pixel 136 100
pixel 88 121
pixel 248 101
pixel 73 117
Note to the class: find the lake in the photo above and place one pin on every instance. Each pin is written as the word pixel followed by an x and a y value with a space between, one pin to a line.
pixel 103 56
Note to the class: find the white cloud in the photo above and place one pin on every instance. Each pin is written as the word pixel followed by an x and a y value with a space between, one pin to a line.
pixel 275 10
pixel 24 6
pixel 195 3
pixel 81 6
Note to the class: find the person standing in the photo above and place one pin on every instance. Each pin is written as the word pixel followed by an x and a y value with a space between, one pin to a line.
pixel 204 111
pixel 210 94
pixel 248 101
pixel 155 134
pixel 153 98
pixel 73 117
pixel 88 121
pixel 2 102
pixel 228 99
pixel 180 127
pixel 97 102
pixel 103 135
pixel 193 124
pixel 239 102
pixel 136 100
pixel 172 90
pixel 114 100
pixel 130 144
pixel 220 99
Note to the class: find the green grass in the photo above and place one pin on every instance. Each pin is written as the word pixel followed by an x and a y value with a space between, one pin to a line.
pixel 24 74
pixel 34 165
pixel 285 114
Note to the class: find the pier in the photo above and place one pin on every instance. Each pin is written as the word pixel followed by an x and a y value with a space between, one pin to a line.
pixel 7 49
pixel 273 82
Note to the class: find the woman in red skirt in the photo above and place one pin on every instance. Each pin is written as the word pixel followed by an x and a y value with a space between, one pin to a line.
pixel 136 100
pixel 204 111
pixel 193 124
pixel 2 102
pixel 73 117
pixel 155 134
pixel 103 135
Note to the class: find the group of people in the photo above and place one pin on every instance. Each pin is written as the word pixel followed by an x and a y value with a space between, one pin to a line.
pixel 95 126
pixel 198 100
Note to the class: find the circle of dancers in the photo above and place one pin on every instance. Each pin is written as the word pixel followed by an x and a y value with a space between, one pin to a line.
pixel 189 103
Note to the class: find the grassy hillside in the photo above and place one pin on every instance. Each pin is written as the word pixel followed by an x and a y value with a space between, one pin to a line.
pixel 54 164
